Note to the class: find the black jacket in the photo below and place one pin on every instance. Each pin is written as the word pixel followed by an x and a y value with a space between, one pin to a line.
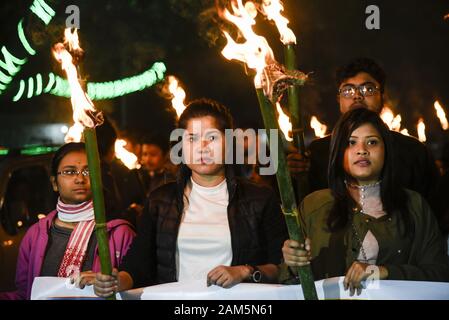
pixel 255 221
pixel 414 165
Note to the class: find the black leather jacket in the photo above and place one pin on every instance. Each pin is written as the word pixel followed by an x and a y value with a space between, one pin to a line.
pixel 256 224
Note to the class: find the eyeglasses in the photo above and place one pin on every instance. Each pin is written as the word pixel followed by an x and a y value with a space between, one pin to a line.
pixel 73 173
pixel 366 90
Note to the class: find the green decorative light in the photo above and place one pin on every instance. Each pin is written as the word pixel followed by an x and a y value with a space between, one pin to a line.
pixel 20 92
pixel 51 82
pixel 30 87
pixel 113 89
pixel 36 150
pixel 4 152
pixel 38 84
pixel 5 78
pixel 42 10
pixel 62 88
pixel 59 86
pixel 10 62
pixel 24 40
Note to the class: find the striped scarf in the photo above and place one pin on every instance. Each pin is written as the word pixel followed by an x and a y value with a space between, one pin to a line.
pixel 76 249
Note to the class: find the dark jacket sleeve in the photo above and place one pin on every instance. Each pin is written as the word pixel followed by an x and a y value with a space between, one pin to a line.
pixel 140 260
pixel 428 259
pixel 274 229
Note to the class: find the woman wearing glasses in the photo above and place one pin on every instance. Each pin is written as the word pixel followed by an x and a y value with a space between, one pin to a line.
pixel 366 224
pixel 63 244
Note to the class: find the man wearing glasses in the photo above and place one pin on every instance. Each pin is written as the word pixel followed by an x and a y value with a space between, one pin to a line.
pixel 361 84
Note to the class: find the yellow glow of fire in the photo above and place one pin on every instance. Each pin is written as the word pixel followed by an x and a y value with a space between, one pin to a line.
pixel 273 9
pixel 129 159
pixel 284 122
pixel 255 51
pixel 319 128
pixel 421 128
pixel 393 122
pixel 79 99
pixel 441 115
pixel 178 93
pixel 75 133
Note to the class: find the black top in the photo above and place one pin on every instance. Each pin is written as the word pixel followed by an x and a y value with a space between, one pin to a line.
pixel 58 238
pixel 256 224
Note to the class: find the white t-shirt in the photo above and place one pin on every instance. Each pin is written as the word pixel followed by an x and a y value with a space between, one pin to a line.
pixel 204 237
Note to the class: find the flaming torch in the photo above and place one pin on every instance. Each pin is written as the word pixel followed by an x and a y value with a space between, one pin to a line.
pixel 270 79
pixel 319 128
pixel 85 115
pixel 129 159
pixel 421 128
pixel 178 95
pixel 272 10
pixel 441 115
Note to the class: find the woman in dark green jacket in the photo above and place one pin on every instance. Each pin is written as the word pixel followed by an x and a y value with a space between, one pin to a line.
pixel 366 224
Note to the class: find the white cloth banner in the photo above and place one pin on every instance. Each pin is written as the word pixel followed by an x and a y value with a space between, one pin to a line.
pixel 57 288
pixel 60 288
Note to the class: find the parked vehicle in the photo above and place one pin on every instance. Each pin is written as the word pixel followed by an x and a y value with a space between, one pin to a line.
pixel 26 196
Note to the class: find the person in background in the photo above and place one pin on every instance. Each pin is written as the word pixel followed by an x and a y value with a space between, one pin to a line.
pixel 361 84
pixel 154 171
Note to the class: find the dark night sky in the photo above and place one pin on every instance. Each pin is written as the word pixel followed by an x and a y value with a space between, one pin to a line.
pixel 123 38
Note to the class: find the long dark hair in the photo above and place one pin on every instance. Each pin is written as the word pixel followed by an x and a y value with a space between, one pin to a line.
pixel 62 152
pixel 392 195
pixel 202 108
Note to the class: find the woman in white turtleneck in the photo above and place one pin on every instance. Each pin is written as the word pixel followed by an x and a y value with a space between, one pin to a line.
pixel 209 225
pixel 366 225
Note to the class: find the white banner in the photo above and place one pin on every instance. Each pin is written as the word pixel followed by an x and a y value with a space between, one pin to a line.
pixel 60 288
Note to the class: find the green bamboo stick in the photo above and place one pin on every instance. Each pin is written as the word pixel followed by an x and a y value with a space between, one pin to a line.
pixel 93 161
pixel 289 206
pixel 296 118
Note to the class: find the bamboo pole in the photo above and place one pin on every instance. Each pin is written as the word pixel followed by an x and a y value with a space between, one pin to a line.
pixel 286 191
pixel 296 118
pixel 93 161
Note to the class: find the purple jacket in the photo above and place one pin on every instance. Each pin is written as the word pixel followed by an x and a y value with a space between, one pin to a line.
pixel 34 244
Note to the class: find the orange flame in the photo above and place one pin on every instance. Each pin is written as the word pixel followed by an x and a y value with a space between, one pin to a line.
pixel 421 128
pixel 319 128
pixel 79 99
pixel 178 93
pixel 129 159
pixel 284 122
pixel 441 115
pixel 405 132
pixel 255 52
pixel 272 9
pixel 75 133
pixel 393 122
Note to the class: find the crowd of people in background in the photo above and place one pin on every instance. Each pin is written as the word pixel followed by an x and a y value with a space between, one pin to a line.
pixel 375 198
